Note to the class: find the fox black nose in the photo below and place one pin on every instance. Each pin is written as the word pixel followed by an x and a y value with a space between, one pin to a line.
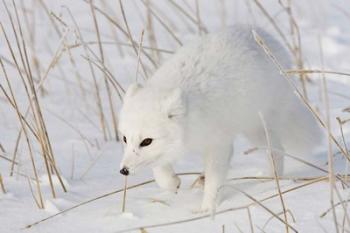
pixel 124 171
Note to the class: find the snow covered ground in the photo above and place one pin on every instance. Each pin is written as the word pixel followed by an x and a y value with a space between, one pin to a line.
pixel 89 165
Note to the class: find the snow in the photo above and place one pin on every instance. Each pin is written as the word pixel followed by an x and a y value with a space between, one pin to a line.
pixel 89 165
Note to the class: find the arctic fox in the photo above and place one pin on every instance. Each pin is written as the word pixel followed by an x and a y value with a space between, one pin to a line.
pixel 210 91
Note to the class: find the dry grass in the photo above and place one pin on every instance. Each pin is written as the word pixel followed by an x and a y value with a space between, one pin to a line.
pixel 2 186
pixel 124 193
pixel 26 79
pixel 40 129
pixel 326 125
pixel 276 177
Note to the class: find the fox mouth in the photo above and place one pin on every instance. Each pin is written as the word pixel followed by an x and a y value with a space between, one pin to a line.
pixel 143 164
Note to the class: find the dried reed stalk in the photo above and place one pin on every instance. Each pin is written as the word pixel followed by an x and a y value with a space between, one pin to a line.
pixel 309 182
pixel 200 31
pixel 67 48
pixel 47 12
pixel 344 142
pixel 114 32
pixel 98 98
pixel 7 159
pixel 256 201
pixel 124 193
pixel 223 211
pixel 120 28
pixel 330 152
pixel 123 44
pixel 273 23
pixel 296 44
pixel 87 202
pixel 197 21
pixel 31 31
pixel 116 85
pixel 139 55
pixel 338 176
pixel 251 225
pixel 332 207
pixel 151 34
pixel 40 203
pixel 280 213
pixel 268 52
pixel 73 127
pixel 109 93
pixel 165 26
pixel 45 141
pixel 317 72
pixel 131 38
pixel 2 186
pixel 9 99
pixel 28 83
pixel 1 146
pixel 331 138
pixel 273 163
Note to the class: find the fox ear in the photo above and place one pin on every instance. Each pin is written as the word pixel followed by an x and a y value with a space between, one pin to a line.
pixel 133 88
pixel 174 104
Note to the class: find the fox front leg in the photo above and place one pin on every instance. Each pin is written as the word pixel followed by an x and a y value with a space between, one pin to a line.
pixel 217 163
pixel 166 178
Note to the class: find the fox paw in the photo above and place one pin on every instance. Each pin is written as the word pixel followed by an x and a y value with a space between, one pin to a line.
pixel 200 211
pixel 206 207
pixel 171 185
pixel 199 182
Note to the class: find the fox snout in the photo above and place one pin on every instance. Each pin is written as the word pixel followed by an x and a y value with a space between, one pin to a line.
pixel 124 171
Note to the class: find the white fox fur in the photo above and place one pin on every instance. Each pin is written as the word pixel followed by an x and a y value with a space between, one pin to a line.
pixel 210 91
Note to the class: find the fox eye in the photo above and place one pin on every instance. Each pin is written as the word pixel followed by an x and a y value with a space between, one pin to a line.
pixel 124 139
pixel 146 142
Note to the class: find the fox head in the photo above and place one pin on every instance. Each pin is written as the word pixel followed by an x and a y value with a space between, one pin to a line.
pixel 150 127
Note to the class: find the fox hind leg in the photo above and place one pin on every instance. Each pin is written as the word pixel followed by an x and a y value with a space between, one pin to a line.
pixel 259 139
